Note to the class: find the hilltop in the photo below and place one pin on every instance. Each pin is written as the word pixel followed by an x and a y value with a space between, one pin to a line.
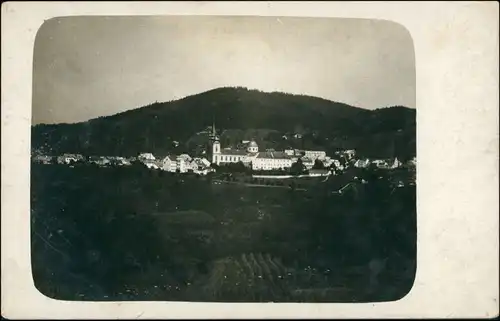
pixel 325 124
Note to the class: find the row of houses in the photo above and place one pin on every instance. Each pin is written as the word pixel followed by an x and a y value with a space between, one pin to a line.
pixel 383 163
pixel 268 160
pixel 177 163
pixel 73 158
pixel 172 163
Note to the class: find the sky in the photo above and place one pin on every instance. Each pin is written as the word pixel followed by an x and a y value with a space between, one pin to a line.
pixel 86 67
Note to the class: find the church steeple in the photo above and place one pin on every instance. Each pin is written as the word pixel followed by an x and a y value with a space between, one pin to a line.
pixel 213 128
pixel 214 145
pixel 213 134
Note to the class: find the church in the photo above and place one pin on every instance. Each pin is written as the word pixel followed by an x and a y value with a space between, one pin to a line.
pixel 249 156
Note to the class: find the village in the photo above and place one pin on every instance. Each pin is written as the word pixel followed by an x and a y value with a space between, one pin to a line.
pixel 316 163
pixel 247 157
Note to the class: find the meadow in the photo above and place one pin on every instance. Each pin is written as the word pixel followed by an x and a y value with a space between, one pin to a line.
pixel 137 234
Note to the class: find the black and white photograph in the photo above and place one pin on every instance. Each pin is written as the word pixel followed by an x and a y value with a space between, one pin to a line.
pixel 249 159
pixel 223 159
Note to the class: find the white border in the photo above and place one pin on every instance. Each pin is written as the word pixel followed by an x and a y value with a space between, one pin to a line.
pixel 456 46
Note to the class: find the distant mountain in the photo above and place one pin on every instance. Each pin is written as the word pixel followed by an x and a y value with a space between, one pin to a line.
pixel 324 124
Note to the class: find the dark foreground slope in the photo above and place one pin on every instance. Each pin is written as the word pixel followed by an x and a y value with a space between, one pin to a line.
pixel 136 234
pixel 153 128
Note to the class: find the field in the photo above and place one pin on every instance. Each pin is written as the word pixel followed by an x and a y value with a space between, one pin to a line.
pixel 136 234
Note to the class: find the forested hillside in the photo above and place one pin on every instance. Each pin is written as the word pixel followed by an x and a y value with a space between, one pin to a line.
pixel 325 124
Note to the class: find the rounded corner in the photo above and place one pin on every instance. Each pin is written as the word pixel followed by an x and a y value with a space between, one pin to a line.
pixel 402 27
pixel 40 292
pixel 410 288
pixel 45 23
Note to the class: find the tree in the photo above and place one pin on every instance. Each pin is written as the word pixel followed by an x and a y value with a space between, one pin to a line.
pixel 333 168
pixel 297 168
pixel 343 161
pixel 239 167
pixel 318 164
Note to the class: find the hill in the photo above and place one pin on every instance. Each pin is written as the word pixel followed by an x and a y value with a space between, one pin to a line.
pixel 153 128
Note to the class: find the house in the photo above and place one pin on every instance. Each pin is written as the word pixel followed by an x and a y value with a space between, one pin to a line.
pixel 99 160
pixel 199 166
pixel 298 152
pixel 348 154
pixel 93 159
pixel 341 183
pixel 42 159
pixel 396 163
pixel 146 157
pixel 151 165
pixel 185 157
pixel 69 158
pixel 196 164
pixel 183 163
pixel 205 162
pixel 319 172
pixel 120 161
pixel 271 161
pixel 380 163
pixel 204 171
pixel 315 154
pixel 362 163
pixel 169 163
pixel 177 163
pixel 327 162
pixel 150 161
pixel 191 166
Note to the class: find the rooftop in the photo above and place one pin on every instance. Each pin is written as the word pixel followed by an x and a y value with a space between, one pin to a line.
pixel 170 157
pixel 235 152
pixel 273 155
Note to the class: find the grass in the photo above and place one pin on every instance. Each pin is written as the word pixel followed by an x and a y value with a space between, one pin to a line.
pixel 140 235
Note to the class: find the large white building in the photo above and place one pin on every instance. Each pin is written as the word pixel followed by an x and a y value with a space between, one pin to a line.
pixel 315 154
pixel 250 156
pixel 271 160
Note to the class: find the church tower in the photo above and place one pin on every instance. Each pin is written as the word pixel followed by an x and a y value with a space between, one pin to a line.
pixel 253 147
pixel 214 146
